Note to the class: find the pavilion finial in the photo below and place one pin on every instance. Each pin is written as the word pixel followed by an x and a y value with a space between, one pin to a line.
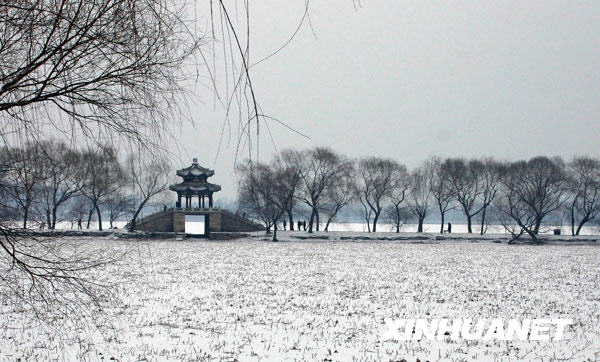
pixel 195 160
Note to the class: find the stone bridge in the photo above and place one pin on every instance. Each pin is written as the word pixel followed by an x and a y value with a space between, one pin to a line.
pixel 219 220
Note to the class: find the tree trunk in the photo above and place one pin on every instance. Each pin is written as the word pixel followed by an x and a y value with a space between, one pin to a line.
pixel 469 227
pixel 317 218
pixel 397 218
pixel 482 231
pixel 375 221
pixel 538 224
pixel 90 218
pixel 328 222
pixel 54 212
pixel 48 220
pixel 131 225
pixel 573 219
pixel 291 218
pixel 420 227
pixel 583 221
pixel 443 214
pixel 135 215
pixel 532 234
pixel 99 216
pixel 25 217
pixel 310 222
pixel 274 232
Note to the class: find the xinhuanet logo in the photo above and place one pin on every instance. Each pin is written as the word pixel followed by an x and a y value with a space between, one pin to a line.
pixel 543 329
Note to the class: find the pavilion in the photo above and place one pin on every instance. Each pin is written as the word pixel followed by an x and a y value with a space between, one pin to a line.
pixel 195 184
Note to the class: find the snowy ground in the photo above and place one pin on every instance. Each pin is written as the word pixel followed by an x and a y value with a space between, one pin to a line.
pixel 321 300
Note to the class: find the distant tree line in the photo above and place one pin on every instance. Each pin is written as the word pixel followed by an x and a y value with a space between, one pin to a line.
pixel 44 183
pixel 519 195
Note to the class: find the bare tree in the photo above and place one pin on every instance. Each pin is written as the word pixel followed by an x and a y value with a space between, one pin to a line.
pixel 397 212
pixel 103 177
pixel 262 193
pixel 149 178
pixel 78 208
pixel 420 194
pixel 97 65
pixel 531 190
pixel 289 162
pixel 63 177
pixel 584 190
pixel 398 216
pixel 489 181
pixel 440 188
pixel 340 194
pixel 25 176
pixel 464 183
pixel 377 178
pixel 367 211
pixel 319 169
pixel 118 206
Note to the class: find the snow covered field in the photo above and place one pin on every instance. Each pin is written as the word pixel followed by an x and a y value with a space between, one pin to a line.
pixel 321 300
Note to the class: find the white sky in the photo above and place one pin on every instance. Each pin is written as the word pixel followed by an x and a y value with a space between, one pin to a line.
pixel 409 79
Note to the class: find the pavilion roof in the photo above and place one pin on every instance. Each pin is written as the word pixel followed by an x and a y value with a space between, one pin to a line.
pixel 195 170
pixel 194 187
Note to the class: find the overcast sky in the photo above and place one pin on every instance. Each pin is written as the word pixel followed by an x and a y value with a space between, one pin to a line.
pixel 410 79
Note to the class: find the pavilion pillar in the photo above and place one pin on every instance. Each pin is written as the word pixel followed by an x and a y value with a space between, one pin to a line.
pixel 210 200
pixel 203 201
pixel 178 199
pixel 199 201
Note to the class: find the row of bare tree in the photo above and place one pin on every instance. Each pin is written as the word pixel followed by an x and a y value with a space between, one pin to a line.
pixel 43 183
pixel 520 195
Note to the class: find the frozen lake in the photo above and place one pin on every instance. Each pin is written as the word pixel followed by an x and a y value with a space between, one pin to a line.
pixel 251 300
